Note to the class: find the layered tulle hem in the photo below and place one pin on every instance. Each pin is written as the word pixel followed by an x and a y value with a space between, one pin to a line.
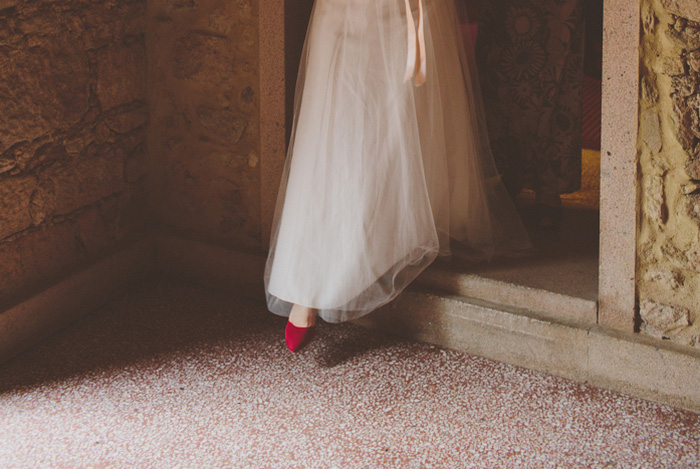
pixel 382 291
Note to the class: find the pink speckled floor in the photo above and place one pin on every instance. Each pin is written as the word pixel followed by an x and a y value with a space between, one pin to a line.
pixel 174 375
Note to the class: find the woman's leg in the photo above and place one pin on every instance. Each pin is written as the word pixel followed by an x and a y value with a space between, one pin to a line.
pixel 302 316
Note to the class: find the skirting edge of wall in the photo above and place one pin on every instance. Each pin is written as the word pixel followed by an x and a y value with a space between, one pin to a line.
pixel 210 265
pixel 36 318
pixel 655 370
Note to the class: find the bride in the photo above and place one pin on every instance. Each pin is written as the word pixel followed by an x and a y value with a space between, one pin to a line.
pixel 388 162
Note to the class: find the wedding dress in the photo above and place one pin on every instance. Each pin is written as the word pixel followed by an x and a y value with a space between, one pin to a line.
pixel 388 159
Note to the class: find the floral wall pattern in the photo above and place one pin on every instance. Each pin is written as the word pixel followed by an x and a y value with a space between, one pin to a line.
pixel 530 56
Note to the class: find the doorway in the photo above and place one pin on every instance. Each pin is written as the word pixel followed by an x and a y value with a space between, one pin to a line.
pixel 574 270
pixel 566 262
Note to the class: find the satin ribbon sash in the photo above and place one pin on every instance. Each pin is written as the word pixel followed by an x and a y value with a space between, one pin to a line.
pixel 416 61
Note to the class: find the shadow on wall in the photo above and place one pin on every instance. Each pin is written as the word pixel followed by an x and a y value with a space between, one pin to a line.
pixel 73 121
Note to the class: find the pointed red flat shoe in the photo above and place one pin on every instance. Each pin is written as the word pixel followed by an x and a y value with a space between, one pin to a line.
pixel 298 337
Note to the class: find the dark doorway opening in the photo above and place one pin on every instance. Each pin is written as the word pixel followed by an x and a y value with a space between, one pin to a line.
pixel 567 261
pixel 566 265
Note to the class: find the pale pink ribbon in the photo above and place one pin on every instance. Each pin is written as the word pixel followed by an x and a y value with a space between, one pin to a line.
pixel 416 63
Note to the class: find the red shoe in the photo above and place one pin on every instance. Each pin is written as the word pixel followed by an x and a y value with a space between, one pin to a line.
pixel 298 337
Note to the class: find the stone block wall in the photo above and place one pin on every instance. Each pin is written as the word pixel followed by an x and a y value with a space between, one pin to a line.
pixel 669 147
pixel 73 121
pixel 204 130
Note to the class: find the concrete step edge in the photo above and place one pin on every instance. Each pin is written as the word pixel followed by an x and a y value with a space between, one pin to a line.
pixel 640 366
pixel 499 308
pixel 556 306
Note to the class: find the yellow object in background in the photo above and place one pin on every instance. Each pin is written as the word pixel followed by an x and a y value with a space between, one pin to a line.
pixel 586 198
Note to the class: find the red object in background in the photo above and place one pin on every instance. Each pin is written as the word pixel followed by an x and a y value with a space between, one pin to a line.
pixel 471 29
pixel 591 113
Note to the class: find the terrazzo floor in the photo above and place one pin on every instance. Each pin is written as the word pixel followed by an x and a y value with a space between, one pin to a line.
pixel 174 375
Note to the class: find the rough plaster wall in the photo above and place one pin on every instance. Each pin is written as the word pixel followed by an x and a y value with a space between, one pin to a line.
pixel 72 136
pixel 669 145
pixel 204 128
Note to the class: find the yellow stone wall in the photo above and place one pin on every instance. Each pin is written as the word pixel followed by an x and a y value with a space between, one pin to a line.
pixel 668 264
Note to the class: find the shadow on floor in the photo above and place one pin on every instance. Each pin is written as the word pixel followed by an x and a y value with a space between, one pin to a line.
pixel 114 337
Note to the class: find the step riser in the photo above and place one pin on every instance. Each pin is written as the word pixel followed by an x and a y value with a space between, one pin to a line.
pixel 661 372
pixel 554 305
pixel 40 316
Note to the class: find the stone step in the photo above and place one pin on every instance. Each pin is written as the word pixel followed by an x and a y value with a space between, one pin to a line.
pixel 629 363
pixel 549 304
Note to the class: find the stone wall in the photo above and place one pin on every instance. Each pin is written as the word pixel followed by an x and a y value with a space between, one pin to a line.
pixel 72 136
pixel 204 129
pixel 669 147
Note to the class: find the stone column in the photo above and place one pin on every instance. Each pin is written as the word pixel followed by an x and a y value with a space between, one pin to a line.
pixel 618 192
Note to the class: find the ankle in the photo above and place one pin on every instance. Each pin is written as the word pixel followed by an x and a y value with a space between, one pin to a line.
pixel 301 316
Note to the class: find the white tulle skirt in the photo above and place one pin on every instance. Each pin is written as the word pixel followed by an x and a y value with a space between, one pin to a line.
pixel 380 173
